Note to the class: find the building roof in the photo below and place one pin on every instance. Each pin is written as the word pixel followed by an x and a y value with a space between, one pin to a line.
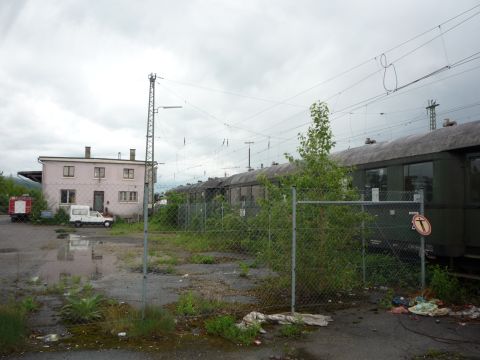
pixel 443 139
pixel 32 175
pixel 91 160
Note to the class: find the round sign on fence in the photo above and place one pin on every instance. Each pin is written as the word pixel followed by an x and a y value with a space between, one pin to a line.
pixel 422 225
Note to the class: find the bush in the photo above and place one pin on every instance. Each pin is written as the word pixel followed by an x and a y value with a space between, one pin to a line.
pixel 12 328
pixel 445 286
pixel 224 326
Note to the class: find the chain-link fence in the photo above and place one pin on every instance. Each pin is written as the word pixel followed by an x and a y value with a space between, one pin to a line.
pixel 342 247
pixel 285 249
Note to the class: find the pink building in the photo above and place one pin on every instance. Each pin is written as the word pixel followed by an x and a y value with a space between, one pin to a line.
pixel 113 186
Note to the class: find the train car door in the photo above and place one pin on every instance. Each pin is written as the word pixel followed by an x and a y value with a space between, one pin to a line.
pixel 472 203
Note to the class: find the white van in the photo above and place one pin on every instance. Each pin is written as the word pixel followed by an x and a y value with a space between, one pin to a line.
pixel 82 215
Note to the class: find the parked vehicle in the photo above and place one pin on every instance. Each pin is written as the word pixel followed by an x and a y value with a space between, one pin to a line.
pixel 82 215
pixel 20 207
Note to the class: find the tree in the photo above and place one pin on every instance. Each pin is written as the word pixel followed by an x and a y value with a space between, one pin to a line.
pixel 327 246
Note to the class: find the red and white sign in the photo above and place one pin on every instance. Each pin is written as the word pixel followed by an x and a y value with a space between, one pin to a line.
pixel 422 225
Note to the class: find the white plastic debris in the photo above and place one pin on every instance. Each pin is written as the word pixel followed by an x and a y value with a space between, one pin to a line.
pixel 297 318
pixel 472 312
pixel 50 338
pixel 122 334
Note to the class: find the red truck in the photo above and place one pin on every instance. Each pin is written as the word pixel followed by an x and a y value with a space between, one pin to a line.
pixel 20 207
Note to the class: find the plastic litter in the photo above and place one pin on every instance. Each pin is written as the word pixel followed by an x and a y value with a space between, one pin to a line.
pixel 399 310
pixel 122 334
pixel 48 338
pixel 297 318
pixel 428 308
pixel 400 301
pixel 472 312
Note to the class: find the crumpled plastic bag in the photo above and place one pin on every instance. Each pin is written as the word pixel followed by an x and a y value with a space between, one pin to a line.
pixel 256 317
pixel 428 308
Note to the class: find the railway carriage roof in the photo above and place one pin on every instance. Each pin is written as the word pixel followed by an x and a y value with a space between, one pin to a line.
pixel 444 139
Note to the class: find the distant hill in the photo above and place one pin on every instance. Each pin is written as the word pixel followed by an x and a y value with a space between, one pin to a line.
pixel 27 183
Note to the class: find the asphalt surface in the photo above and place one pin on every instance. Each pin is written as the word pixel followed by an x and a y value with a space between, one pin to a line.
pixel 357 333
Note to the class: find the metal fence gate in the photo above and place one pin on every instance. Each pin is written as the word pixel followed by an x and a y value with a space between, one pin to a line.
pixel 341 246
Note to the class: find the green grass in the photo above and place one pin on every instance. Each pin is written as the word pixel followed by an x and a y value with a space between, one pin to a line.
pixel 224 326
pixel 244 269
pixel 29 304
pixel 13 328
pixel 123 318
pixel 190 304
pixel 291 330
pixel 157 322
pixel 202 259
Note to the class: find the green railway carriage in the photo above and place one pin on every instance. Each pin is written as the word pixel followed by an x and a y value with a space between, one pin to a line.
pixel 445 163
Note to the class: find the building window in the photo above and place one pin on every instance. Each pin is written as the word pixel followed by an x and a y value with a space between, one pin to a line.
pixel 99 172
pixel 474 179
pixel 127 196
pixel 419 177
pixel 376 179
pixel 128 174
pixel 67 196
pixel 69 171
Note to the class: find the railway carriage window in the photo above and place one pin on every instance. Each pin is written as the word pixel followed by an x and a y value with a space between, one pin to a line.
pixel 419 176
pixel 375 178
pixel 475 179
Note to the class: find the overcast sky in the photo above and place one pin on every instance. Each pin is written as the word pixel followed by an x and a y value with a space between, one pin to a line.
pixel 75 73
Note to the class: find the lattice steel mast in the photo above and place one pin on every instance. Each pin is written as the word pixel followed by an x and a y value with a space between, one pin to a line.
pixel 150 143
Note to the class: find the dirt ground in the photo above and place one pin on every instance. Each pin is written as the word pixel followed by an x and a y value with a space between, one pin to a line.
pixel 112 266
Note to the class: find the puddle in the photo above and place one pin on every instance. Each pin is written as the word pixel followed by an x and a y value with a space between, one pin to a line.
pixel 78 256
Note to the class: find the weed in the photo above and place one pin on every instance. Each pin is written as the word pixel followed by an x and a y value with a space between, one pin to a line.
pixel 29 304
pixel 87 288
pixel 122 317
pixel 12 328
pixel 82 310
pixel 76 280
pixel 439 355
pixel 291 330
pixel 202 259
pixel 386 301
pixel 190 304
pixel 445 286
pixel 225 327
pixel 157 322
pixel 244 269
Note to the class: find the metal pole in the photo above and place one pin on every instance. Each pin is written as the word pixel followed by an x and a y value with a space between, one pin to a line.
pixel 294 244
pixel 145 249
pixel 422 242
pixel 222 215
pixel 205 216
pixel 364 276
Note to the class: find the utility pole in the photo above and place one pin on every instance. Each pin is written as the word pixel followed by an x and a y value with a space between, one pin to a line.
pixel 432 104
pixel 150 143
pixel 249 143
pixel 149 165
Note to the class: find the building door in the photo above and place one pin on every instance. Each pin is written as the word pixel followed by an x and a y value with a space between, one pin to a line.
pixel 98 198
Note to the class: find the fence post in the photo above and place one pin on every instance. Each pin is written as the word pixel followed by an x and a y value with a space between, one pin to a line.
pixel 422 242
pixel 145 249
pixel 205 216
pixel 294 244
pixel 364 273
